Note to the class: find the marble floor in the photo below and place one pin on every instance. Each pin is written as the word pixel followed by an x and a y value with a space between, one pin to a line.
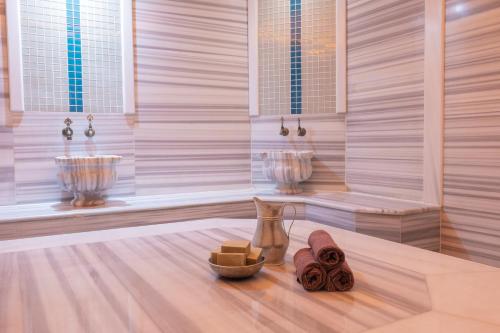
pixel 156 279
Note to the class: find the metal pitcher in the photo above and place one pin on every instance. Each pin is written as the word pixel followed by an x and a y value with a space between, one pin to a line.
pixel 270 234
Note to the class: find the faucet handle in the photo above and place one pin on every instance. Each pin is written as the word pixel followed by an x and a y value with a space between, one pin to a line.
pixel 68 132
pixel 283 131
pixel 90 131
pixel 301 131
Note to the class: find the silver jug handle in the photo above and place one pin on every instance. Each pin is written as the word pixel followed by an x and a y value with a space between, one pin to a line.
pixel 293 220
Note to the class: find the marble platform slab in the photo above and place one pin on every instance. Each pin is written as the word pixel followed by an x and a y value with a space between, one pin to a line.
pixel 396 220
pixel 134 279
pixel 345 201
pixel 421 229
pixel 361 203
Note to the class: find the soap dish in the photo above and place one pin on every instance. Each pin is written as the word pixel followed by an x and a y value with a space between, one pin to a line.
pixel 237 272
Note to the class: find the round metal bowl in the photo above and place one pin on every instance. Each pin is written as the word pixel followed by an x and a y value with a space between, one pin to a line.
pixel 236 272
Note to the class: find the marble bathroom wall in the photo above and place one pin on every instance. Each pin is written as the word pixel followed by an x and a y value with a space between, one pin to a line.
pixel 193 126
pixel 191 131
pixel 471 224
pixel 32 140
pixel 385 54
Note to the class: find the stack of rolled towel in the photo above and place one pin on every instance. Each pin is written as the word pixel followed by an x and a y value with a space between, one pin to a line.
pixel 323 265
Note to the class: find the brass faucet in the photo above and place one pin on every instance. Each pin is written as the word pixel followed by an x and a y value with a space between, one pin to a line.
pixel 301 131
pixel 68 132
pixel 284 131
pixel 90 132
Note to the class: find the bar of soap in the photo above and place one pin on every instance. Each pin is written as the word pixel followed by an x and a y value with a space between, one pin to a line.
pixel 231 259
pixel 254 256
pixel 213 255
pixel 236 246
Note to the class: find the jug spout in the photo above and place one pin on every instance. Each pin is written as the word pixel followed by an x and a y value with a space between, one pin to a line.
pixel 267 209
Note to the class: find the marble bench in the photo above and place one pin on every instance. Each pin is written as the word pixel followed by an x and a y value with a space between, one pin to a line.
pixel 401 221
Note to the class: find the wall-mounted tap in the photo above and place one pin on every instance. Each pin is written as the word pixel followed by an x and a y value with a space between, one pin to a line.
pixel 301 131
pixel 284 131
pixel 90 131
pixel 68 132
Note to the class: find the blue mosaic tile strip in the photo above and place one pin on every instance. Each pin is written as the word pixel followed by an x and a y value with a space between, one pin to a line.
pixel 74 56
pixel 296 56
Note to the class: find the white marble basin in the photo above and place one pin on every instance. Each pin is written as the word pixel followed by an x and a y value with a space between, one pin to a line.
pixel 287 168
pixel 87 177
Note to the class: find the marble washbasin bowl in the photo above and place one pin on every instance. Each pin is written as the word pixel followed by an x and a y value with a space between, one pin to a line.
pixel 87 177
pixel 287 168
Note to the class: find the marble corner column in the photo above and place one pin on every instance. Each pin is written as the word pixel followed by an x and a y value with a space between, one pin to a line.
pixel 7 178
pixel 470 225
pixel 433 101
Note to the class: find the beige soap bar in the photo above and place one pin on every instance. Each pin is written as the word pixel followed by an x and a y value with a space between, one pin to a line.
pixel 254 256
pixel 236 246
pixel 213 255
pixel 231 259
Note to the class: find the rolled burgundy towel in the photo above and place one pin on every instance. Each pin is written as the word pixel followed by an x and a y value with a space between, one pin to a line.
pixel 309 272
pixel 325 250
pixel 340 278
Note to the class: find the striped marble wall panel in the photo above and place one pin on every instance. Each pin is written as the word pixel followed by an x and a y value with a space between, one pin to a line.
pixel 420 230
pixel 332 217
pixel 380 226
pixel 7 184
pixel 79 223
pixel 471 223
pixel 385 41
pixel 192 96
pixel 38 139
pixel 4 71
pixel 325 136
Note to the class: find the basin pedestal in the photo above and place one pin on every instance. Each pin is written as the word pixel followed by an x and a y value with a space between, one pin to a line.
pixel 88 199
pixel 291 188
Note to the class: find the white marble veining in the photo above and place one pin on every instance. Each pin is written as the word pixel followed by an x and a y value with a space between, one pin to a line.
pixel 287 168
pixel 139 273
pixel 385 97
pixel 87 177
pixel 471 209
pixel 193 131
